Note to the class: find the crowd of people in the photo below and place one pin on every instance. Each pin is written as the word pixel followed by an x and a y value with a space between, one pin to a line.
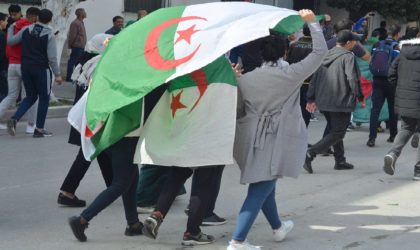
pixel 369 78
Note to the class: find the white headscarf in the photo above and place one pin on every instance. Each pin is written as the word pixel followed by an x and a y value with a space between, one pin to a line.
pixel 82 74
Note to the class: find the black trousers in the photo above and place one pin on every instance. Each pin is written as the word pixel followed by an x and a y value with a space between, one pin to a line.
pixel 199 200
pixel 303 101
pixel 214 192
pixel 337 122
pixel 78 170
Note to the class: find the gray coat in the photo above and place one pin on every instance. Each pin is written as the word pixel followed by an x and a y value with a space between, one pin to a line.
pixel 271 136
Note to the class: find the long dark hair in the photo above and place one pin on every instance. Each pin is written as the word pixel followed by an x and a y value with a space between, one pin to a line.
pixel 273 48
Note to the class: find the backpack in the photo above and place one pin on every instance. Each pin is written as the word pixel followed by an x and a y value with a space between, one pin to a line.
pixel 382 57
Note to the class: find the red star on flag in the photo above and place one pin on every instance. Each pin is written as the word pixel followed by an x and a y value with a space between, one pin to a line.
pixel 176 103
pixel 186 34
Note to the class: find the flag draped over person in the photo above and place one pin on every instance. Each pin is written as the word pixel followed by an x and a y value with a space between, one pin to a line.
pixel 182 44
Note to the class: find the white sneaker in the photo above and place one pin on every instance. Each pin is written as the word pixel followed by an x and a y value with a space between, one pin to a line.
pixel 30 129
pixel 242 246
pixel 3 126
pixel 145 210
pixel 280 234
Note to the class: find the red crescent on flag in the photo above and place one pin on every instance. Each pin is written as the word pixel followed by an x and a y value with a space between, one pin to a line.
pixel 151 51
pixel 199 76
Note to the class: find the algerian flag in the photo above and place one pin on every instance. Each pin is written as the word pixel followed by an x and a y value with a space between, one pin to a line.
pixel 167 44
pixel 193 124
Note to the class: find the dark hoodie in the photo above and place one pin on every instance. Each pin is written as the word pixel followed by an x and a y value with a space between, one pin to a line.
pixel 405 73
pixel 335 85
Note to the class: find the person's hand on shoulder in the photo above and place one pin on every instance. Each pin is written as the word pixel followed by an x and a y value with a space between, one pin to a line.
pixel 307 15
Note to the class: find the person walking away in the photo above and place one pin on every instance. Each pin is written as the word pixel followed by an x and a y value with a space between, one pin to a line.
pixel 271 136
pixel 39 53
pixel 118 25
pixel 3 59
pixel 76 40
pixel 402 74
pixel 384 53
pixel 81 77
pixel 339 77
pixel 14 73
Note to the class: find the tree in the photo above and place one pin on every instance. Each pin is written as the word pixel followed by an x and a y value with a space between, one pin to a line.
pixel 404 10
pixel 63 14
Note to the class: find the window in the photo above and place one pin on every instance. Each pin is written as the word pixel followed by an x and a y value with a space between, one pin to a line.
pixel 23 2
pixel 135 5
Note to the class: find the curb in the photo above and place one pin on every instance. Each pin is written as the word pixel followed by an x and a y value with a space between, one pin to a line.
pixel 53 112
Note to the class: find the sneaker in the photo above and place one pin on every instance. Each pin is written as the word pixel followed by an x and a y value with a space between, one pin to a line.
pixel 199 239
pixel 11 127
pixel 152 224
pixel 371 142
pixel 41 133
pixel 70 202
pixel 416 176
pixel 391 139
pixel 350 127
pixel 145 210
pixel 389 163
pixel 134 231
pixel 30 129
pixel 78 228
pixel 343 166
pixel 308 163
pixel 213 220
pixel 414 140
pixel 242 246
pixel 280 234
pixel 3 126
pixel 380 129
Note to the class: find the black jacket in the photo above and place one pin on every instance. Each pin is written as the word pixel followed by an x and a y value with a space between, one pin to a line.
pixel 299 50
pixel 405 74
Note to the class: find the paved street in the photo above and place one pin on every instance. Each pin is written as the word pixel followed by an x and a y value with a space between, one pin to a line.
pixel 358 209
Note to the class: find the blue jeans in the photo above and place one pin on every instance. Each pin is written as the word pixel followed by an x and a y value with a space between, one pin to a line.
pixel 37 83
pixel 125 175
pixel 382 89
pixel 261 196
pixel 75 55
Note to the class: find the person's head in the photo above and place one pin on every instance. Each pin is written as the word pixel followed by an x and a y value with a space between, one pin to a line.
pixel 273 48
pixel 346 39
pixel 412 32
pixel 141 13
pixel 383 24
pixel 344 24
pixel 394 31
pixel 3 21
pixel 32 14
pixel 306 31
pixel 118 22
pixel 80 13
pixel 364 24
pixel 45 16
pixel 15 12
pixel 375 33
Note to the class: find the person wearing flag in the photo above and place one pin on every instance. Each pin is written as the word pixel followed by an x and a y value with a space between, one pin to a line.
pixel 271 135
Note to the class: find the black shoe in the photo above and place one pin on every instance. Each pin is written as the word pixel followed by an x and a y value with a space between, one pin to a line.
pixel 199 239
pixel 67 201
pixel 78 228
pixel 152 224
pixel 39 133
pixel 11 127
pixel 389 163
pixel 134 231
pixel 415 140
pixel 391 139
pixel 416 176
pixel 328 152
pixel 371 142
pixel 343 166
pixel 213 220
pixel 308 163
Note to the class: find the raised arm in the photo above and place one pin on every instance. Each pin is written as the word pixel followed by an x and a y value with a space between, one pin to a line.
pixel 13 39
pixel 298 72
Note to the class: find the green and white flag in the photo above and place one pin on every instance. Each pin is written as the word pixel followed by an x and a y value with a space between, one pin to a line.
pixel 167 44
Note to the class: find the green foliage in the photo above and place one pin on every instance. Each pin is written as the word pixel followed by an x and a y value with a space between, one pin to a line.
pixel 406 10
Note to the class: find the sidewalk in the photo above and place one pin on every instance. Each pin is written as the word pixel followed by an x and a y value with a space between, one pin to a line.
pixel 356 209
